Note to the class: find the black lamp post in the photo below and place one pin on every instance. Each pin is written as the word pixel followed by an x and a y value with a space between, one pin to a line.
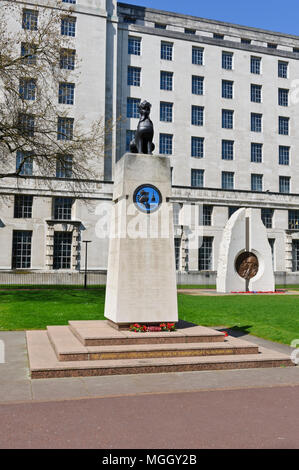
pixel 85 271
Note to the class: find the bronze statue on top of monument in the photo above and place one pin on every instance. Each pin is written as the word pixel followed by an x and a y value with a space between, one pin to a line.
pixel 143 141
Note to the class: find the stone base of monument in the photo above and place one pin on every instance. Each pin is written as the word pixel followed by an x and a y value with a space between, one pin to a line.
pixel 93 348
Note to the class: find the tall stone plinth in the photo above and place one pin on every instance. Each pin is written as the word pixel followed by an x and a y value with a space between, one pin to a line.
pixel 245 258
pixel 141 278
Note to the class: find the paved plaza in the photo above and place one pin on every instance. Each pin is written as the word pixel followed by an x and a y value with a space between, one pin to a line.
pixel 190 409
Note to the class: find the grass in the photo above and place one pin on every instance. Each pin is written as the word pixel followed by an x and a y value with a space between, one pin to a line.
pixel 271 317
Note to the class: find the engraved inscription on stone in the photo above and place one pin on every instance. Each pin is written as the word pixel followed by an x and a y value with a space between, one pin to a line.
pixel 247 265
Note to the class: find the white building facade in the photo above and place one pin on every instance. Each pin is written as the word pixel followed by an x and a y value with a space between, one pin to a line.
pixel 225 108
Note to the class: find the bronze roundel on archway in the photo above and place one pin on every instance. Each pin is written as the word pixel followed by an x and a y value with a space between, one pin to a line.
pixel 247 265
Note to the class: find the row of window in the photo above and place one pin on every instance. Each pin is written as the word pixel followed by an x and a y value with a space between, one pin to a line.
pixel 205 254
pixel 228 181
pixel 227 116
pixel 22 247
pixel 27 91
pixel 30 22
pixel 24 165
pixel 66 56
pixel 62 207
pixel 65 126
pixel 62 251
pixel 227 91
pixel 267 216
pixel 166 53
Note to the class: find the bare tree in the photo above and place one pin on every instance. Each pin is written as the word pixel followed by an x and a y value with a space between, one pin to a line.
pixel 38 72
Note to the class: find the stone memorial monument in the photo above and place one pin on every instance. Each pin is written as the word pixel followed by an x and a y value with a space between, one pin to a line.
pixel 141 278
pixel 245 258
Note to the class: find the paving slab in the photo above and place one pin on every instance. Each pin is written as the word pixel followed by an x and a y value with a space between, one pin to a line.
pixel 17 386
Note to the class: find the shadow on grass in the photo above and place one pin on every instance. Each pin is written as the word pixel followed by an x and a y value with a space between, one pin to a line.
pixel 238 331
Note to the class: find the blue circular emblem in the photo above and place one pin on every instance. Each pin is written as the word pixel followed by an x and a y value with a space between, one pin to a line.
pixel 147 198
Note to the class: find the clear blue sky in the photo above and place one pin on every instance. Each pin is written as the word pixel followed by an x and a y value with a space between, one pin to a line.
pixel 275 15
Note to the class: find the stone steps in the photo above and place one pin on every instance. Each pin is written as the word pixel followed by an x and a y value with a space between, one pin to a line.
pixel 58 352
pixel 68 348
pixel 99 333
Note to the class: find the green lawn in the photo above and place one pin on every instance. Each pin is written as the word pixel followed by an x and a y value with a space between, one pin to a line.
pixel 271 317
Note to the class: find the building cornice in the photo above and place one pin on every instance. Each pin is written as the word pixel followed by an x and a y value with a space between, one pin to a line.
pixel 169 14
pixel 206 40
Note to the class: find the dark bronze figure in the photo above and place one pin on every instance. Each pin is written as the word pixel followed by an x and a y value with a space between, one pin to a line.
pixel 247 265
pixel 143 141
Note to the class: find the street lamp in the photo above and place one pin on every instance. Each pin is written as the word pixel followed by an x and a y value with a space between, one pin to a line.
pixel 85 271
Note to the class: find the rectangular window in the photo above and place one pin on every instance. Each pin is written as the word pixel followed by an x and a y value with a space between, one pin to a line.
pixel 227 119
pixel 283 97
pixel 28 52
pixel 227 89
pixel 295 255
pixel 23 207
pixel 228 180
pixel 130 135
pixel 26 124
pixel 177 252
pixel 284 155
pixel 197 115
pixel 270 45
pixel 283 69
pixel 205 217
pixel 197 85
pixel 29 20
pixel 256 153
pixel 205 254
pixel 283 125
pixel 227 150
pixel 218 36
pixel 21 249
pixel 256 93
pixel 166 144
pixel 197 55
pixel 227 60
pixel 129 20
pixel 134 46
pixel 66 93
pixel 294 219
pixel 68 26
pixel 63 208
pixel 62 250
pixel 132 107
pixel 25 161
pixel 166 81
pixel 245 41
pixel 197 144
pixel 67 59
pixel 256 122
pixel 166 111
pixel 65 128
pixel 134 74
pixel 64 166
pixel 197 178
pixel 284 184
pixel 166 50
pixel 69 1
pixel 255 65
pixel 256 182
pixel 27 88
pixel 267 217
pixel 190 31
pixel 160 26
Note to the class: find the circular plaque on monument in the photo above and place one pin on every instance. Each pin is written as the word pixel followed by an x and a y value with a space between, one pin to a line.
pixel 247 265
pixel 147 198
